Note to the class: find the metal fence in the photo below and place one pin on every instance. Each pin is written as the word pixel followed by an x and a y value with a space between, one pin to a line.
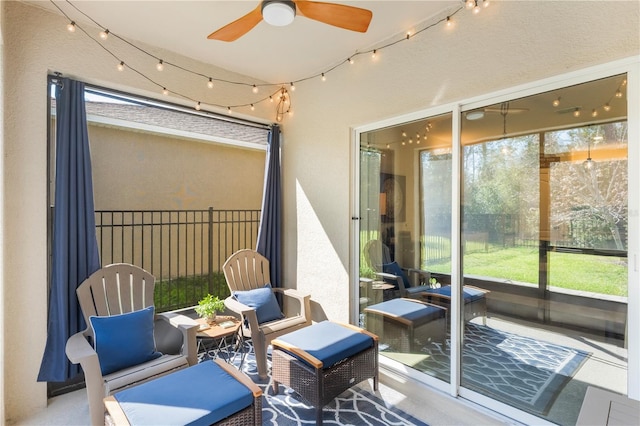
pixel 183 249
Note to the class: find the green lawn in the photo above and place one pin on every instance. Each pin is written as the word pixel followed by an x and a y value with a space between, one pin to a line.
pixel 596 274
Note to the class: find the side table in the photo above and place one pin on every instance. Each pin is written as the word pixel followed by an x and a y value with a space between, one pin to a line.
pixel 221 338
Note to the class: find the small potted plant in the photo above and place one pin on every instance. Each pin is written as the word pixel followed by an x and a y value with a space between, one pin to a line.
pixel 208 307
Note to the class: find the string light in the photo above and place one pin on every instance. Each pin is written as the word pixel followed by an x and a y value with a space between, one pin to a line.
pixel 594 112
pixel 556 102
pixel 285 99
pixel 576 112
pixel 253 108
pixel 607 107
pixel 618 93
pixel 198 106
pixel 229 110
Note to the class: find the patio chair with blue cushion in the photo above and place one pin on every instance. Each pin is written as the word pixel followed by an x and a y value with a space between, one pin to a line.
pixel 253 298
pixel 475 299
pixel 126 343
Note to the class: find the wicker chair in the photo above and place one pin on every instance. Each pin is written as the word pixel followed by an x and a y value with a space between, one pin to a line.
pixel 120 289
pixel 248 270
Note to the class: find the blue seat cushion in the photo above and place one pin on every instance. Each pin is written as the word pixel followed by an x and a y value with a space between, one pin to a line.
pixel 263 301
pixel 412 311
pixel 329 342
pixel 199 395
pixel 124 340
pixel 469 294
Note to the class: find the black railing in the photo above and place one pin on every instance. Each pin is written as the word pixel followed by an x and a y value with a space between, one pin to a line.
pixel 183 249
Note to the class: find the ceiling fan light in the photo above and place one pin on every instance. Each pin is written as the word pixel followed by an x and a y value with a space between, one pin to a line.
pixel 474 115
pixel 278 12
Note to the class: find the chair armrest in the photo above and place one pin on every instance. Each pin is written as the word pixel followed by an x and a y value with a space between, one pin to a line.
pixel 244 311
pixel 397 278
pixel 79 350
pixel 188 327
pixel 420 273
pixel 304 300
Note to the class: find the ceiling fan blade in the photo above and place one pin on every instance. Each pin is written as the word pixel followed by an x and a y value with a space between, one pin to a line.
pixel 239 27
pixel 339 15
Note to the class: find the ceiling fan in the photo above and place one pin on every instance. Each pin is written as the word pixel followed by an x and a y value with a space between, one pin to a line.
pixel 504 109
pixel 282 12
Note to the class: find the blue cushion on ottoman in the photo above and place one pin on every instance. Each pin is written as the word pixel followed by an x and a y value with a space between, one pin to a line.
pixel 416 312
pixel 329 342
pixel 469 294
pixel 200 395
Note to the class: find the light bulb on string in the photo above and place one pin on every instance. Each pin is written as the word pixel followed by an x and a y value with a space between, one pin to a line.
pixel 470 3
pixel 374 53
pixel 556 102
pixel 71 27
pixel 323 77
pixel 120 66
pixel 449 22
pixel 606 107
pixel 165 91
pixel 160 65
pixel 229 110
pixel 594 112
pixel 485 3
pixel 253 108
pixel 254 89
pixel 618 93
pixel 293 88
pixel 476 8
pixel 198 106
pixel 104 34
pixel 270 98
pixel 351 61
pixel 576 112
pixel 210 83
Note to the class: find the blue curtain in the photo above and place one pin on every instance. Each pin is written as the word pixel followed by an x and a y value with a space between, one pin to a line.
pixel 75 248
pixel 269 234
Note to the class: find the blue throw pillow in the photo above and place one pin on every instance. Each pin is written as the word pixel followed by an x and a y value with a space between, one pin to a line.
pixel 395 269
pixel 125 340
pixel 263 301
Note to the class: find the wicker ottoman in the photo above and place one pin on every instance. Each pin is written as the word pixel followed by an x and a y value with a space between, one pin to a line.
pixel 323 360
pixel 407 324
pixel 212 392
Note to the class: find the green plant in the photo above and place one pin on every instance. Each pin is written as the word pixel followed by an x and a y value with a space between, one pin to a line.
pixel 209 305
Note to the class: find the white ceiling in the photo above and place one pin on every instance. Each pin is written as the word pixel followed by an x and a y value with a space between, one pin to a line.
pixel 272 54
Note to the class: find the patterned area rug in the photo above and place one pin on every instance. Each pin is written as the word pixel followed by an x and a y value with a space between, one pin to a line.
pixel 523 372
pixel 356 406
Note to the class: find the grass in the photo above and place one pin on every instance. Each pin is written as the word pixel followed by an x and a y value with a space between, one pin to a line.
pixel 183 292
pixel 596 274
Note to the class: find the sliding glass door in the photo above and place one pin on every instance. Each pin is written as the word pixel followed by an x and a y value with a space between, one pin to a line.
pixel 542 243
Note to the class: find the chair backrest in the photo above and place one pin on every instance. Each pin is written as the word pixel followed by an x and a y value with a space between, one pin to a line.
pixel 377 254
pixel 115 289
pixel 246 270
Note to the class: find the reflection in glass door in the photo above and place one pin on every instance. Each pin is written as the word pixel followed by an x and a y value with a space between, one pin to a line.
pixel 544 232
pixel 405 242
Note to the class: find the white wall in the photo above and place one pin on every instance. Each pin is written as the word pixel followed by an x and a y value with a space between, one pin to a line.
pixel 508 44
pixel 36 43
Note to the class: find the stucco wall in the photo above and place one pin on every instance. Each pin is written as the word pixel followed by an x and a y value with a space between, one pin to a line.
pixel 510 43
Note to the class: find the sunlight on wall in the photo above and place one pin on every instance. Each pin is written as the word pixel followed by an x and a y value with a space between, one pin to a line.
pixel 317 260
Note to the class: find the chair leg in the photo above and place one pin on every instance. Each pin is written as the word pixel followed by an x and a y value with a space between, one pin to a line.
pixel 261 358
pixel 319 416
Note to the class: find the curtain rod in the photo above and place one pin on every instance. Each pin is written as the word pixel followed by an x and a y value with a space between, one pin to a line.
pixel 146 100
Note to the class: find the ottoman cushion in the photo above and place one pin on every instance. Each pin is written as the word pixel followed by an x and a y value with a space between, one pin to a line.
pixel 199 395
pixel 329 342
pixel 415 312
